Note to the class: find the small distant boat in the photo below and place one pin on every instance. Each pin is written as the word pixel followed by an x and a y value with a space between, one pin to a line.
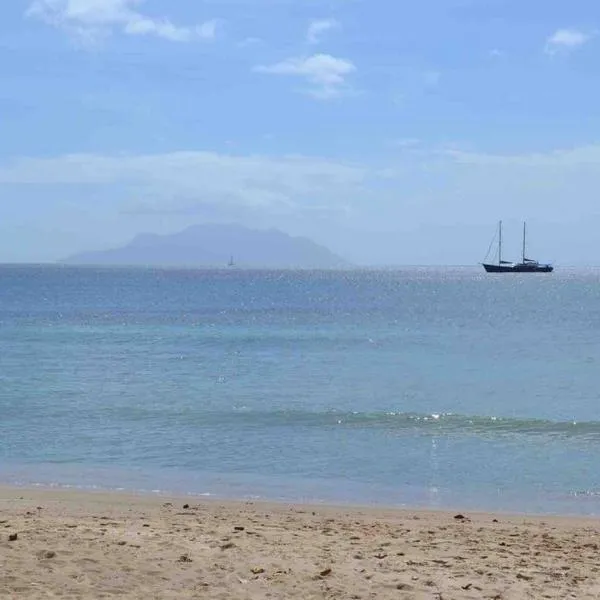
pixel 527 265
pixel 231 263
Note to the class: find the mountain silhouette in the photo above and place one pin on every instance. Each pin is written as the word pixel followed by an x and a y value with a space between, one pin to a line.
pixel 214 245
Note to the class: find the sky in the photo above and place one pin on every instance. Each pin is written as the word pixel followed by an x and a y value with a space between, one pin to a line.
pixel 393 132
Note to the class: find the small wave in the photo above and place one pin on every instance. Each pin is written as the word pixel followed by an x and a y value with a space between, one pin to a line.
pixel 426 423
pixel 438 422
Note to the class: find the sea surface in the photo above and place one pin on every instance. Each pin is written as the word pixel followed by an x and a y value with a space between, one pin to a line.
pixel 420 387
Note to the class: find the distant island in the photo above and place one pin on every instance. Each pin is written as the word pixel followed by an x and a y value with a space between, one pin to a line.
pixel 216 245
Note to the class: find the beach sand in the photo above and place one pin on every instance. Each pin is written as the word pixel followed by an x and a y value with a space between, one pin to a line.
pixel 99 545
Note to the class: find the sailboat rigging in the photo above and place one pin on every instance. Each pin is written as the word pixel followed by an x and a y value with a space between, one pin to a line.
pixel 527 265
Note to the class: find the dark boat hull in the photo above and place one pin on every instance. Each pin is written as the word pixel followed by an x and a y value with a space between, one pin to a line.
pixel 519 268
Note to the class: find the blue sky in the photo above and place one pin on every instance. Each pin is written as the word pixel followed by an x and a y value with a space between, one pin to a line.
pixel 394 132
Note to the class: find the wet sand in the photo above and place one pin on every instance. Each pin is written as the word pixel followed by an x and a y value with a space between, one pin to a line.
pixel 102 545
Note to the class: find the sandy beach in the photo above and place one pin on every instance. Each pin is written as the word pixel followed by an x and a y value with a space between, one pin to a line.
pixel 64 544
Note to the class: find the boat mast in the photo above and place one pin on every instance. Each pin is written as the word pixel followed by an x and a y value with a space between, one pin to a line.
pixel 500 242
pixel 524 230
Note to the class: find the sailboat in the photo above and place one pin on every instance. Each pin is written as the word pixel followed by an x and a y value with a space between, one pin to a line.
pixel 527 265
pixel 231 263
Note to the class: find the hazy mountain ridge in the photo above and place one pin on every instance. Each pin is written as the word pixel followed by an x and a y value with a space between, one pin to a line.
pixel 213 246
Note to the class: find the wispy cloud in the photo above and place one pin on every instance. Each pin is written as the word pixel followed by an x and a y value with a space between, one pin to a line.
pixel 93 19
pixel 326 74
pixel 249 41
pixel 583 156
pixel 405 142
pixel 566 40
pixel 318 28
pixel 184 182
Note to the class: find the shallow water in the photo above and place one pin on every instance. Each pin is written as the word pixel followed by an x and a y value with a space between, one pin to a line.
pixel 428 387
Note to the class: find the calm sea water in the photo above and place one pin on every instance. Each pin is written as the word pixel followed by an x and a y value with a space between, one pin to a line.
pixel 418 387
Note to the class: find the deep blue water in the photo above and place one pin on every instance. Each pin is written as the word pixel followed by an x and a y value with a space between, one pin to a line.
pixel 419 387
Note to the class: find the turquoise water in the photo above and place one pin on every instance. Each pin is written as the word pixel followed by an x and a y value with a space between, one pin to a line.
pixel 418 387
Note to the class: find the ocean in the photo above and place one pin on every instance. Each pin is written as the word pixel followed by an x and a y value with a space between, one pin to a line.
pixel 415 387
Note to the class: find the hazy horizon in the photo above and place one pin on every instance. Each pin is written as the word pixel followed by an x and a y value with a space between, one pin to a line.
pixel 392 135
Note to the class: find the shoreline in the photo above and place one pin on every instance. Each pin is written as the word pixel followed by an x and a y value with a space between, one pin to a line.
pixel 441 506
pixel 71 494
pixel 90 544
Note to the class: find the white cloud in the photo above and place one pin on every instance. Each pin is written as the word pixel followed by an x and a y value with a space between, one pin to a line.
pixel 566 39
pixel 178 181
pixel 327 74
pixel 583 156
pixel 207 30
pixel 405 143
pixel 181 182
pixel 93 19
pixel 317 28
pixel 250 41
